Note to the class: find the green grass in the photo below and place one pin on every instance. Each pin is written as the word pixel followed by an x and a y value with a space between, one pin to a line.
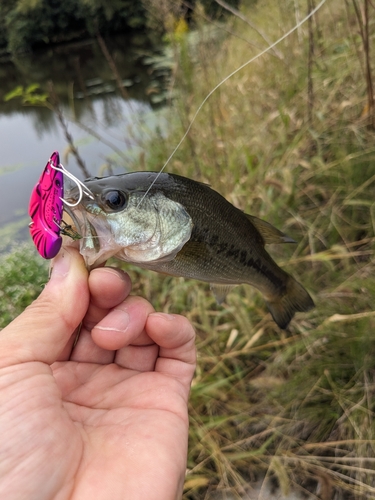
pixel 22 276
pixel 296 406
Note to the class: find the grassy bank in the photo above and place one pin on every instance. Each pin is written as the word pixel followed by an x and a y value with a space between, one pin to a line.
pixel 295 406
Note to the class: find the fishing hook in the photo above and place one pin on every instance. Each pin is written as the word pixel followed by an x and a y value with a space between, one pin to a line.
pixel 82 189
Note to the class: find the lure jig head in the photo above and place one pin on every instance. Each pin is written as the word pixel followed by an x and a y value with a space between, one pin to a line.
pixel 46 208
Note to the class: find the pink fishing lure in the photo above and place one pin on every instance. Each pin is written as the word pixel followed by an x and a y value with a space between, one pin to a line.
pixel 46 208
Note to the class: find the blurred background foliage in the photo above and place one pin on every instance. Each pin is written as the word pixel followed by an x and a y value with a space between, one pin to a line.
pixel 290 138
pixel 29 24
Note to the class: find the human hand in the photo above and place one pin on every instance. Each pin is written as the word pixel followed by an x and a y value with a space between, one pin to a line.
pixel 106 419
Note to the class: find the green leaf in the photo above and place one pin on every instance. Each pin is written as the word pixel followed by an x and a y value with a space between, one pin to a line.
pixel 17 92
pixel 32 88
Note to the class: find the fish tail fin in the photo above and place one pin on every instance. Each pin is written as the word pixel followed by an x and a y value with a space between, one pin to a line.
pixel 283 307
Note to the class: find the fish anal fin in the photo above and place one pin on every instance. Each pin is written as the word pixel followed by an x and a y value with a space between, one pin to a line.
pixel 220 291
pixel 268 232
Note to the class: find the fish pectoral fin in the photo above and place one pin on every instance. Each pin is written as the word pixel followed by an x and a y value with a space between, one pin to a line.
pixel 220 291
pixel 268 232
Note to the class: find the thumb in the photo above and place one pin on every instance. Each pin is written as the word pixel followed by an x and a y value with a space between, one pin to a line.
pixel 41 332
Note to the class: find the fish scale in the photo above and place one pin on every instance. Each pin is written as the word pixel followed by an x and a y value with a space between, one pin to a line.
pixel 247 251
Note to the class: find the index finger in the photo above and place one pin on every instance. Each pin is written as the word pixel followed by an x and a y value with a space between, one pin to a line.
pixel 108 288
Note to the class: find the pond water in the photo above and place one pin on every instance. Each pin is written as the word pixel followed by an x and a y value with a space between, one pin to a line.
pixel 108 126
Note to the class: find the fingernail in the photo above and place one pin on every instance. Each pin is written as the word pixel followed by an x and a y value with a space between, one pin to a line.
pixel 165 316
pixel 117 321
pixel 61 265
pixel 118 273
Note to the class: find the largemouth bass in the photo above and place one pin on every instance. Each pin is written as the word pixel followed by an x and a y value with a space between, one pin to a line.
pixel 184 228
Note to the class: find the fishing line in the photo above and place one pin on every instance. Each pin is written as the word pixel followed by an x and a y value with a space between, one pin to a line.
pixel 270 47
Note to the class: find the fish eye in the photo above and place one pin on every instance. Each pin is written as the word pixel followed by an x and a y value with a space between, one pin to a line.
pixel 115 200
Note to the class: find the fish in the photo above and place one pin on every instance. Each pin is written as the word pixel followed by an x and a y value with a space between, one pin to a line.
pixel 181 227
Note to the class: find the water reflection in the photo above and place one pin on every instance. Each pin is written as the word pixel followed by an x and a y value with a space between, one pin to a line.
pixel 91 102
pixel 80 70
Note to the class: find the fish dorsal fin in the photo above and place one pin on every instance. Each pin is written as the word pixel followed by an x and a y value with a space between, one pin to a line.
pixel 268 232
pixel 220 291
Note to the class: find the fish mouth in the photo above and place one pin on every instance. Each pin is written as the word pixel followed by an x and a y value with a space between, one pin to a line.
pixel 83 227
pixel 96 241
